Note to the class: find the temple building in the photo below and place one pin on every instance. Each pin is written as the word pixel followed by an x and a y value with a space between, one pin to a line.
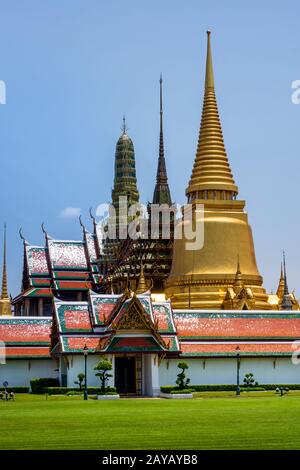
pixel 147 303
pixel 66 269
pixel 124 259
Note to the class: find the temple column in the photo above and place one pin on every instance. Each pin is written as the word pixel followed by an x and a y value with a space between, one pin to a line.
pixel 155 375
pixel 40 307
pixel 27 307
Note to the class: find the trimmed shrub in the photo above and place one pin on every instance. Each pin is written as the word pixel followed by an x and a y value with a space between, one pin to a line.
pixel 103 367
pixel 249 380
pixel 230 387
pixel 80 380
pixel 185 390
pixel 38 385
pixel 289 386
pixel 182 381
pixel 66 390
pixel 201 388
pixel 73 393
pixel 15 389
pixel 252 389
pixel 59 390
pixel 168 388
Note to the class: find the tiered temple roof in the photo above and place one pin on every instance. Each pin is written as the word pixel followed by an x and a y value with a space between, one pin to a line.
pixel 232 325
pixel 111 323
pixel 128 323
pixel 26 337
pixel 229 349
pixel 64 268
pixel 186 333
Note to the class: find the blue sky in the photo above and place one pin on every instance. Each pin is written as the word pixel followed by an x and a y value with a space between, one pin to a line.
pixel 72 68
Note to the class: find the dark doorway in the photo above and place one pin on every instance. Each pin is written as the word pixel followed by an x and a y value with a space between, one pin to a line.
pixel 125 375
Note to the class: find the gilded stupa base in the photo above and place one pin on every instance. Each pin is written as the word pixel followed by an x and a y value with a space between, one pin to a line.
pixel 206 294
pixel 5 307
pixel 222 274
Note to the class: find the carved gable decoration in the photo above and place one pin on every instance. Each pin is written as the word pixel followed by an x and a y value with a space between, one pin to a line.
pixel 245 294
pixel 119 305
pixel 134 317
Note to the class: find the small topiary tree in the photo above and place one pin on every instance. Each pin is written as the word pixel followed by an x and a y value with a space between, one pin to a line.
pixel 103 367
pixel 80 378
pixel 249 380
pixel 181 381
pixel 282 390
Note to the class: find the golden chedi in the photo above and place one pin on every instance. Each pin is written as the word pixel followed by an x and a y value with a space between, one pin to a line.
pixel 5 305
pixel 206 278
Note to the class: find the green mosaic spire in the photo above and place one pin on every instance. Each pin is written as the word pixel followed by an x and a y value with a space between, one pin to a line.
pixel 125 183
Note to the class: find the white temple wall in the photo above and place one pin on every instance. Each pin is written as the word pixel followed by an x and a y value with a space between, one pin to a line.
pixel 19 372
pixel 76 366
pixel 201 371
pixel 224 370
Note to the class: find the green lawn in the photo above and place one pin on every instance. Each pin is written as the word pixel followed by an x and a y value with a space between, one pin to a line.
pixel 212 421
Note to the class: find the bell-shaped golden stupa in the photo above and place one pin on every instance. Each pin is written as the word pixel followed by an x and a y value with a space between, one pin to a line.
pixel 201 278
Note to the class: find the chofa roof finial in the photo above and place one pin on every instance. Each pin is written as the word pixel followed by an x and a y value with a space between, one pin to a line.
pixel 22 236
pixel 81 223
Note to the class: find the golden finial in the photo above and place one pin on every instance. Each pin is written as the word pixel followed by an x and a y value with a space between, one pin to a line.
pixel 238 282
pixel 4 292
pixel 211 172
pixel 238 270
pixel 5 306
pixel 142 284
pixel 209 75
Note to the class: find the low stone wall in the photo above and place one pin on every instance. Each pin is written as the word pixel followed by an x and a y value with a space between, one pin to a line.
pixel 176 395
pixel 108 397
